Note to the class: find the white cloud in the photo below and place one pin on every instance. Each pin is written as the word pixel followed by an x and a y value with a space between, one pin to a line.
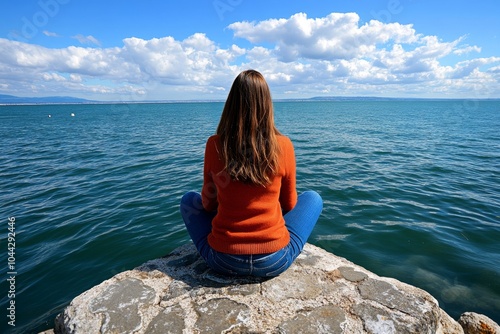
pixel 75 78
pixel 467 50
pixel 299 56
pixel 91 40
pixel 50 34
pixel 468 67
pixel 337 36
pixel 53 77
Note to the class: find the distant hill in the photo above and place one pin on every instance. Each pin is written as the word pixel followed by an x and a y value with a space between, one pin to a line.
pixel 378 98
pixel 10 99
pixel 352 98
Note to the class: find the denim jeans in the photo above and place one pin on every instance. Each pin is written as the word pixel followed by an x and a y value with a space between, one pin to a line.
pixel 300 222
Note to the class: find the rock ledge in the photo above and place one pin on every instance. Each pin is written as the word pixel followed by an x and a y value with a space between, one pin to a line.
pixel 319 293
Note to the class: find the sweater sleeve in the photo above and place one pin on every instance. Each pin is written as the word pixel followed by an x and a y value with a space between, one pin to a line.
pixel 288 191
pixel 209 190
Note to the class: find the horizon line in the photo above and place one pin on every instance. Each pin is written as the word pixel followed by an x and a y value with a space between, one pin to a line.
pixel 309 99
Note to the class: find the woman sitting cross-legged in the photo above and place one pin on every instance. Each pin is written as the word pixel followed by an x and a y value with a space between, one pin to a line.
pixel 248 219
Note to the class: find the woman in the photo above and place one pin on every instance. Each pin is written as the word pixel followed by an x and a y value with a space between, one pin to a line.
pixel 248 219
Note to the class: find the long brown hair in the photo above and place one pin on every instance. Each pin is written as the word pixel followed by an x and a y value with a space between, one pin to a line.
pixel 250 149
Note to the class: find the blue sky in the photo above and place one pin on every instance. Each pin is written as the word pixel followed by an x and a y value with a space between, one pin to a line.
pixel 151 49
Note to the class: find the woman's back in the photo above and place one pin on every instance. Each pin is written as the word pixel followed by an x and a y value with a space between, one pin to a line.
pixel 248 220
pixel 249 217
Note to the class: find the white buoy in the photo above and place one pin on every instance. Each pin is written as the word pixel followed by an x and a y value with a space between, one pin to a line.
pixel 72 115
pixel 50 116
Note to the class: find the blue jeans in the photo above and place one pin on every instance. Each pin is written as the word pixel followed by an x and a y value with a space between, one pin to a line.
pixel 300 222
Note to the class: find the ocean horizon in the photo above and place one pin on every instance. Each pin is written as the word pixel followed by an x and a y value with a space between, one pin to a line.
pixel 410 187
pixel 6 100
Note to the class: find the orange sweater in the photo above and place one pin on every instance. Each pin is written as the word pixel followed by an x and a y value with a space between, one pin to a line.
pixel 249 218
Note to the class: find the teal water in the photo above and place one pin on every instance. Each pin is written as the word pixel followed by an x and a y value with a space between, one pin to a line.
pixel 411 191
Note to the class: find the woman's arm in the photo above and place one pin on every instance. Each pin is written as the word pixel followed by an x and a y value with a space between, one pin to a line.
pixel 288 192
pixel 209 190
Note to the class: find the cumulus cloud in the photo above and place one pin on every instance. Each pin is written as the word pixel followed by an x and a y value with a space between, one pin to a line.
pixel 337 36
pixel 346 56
pixel 300 56
pixel 194 63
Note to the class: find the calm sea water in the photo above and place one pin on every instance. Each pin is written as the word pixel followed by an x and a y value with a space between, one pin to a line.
pixel 411 191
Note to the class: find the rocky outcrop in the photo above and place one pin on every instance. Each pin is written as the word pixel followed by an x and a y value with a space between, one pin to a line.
pixel 474 323
pixel 319 293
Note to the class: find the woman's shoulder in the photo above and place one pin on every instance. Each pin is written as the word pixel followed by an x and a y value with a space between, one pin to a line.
pixel 213 138
pixel 284 141
pixel 213 142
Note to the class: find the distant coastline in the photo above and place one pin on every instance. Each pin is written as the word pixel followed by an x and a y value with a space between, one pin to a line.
pixel 16 100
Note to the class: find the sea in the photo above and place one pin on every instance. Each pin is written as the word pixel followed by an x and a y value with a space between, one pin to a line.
pixel 411 190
